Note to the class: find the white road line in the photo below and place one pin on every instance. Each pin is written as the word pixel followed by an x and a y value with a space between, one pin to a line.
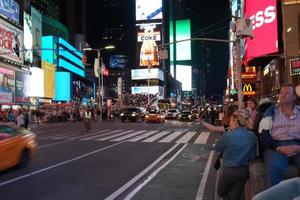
pixel 149 178
pixel 52 144
pixel 140 175
pixel 140 137
pixel 171 137
pixel 157 136
pixel 57 165
pixel 58 135
pixel 66 136
pixel 127 136
pixel 204 177
pixel 115 135
pixel 101 135
pixel 202 138
pixel 92 133
pixel 186 138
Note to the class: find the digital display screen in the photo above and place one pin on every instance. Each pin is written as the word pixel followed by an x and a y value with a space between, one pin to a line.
pixel 141 74
pixel 118 61
pixel 148 10
pixel 28 42
pixel 184 75
pixel 36 82
pixel 152 90
pixel 62 86
pixel 183 31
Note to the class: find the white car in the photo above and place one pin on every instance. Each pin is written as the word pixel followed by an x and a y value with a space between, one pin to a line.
pixel 172 114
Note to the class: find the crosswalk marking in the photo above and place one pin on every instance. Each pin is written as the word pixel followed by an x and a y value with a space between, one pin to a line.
pixel 128 136
pixel 171 137
pixel 157 136
pixel 100 135
pixel 186 137
pixel 140 137
pixel 92 134
pixel 202 138
pixel 65 136
pixel 115 135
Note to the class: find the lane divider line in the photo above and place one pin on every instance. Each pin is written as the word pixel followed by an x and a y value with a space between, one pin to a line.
pixel 140 175
pixel 149 178
pixel 57 165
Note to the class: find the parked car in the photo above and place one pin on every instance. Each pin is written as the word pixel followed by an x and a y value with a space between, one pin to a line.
pixel 172 114
pixel 186 115
pixel 132 114
pixel 17 147
pixel 155 116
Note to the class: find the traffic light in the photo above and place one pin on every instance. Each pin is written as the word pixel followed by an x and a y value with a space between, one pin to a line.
pixel 84 60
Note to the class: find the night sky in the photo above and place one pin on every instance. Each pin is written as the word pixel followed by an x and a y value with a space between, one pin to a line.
pixel 209 19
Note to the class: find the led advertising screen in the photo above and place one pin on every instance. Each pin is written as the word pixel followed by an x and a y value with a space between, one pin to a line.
pixel 22 87
pixel 28 42
pixel 148 10
pixel 265 30
pixel 10 9
pixel 142 74
pixel 7 85
pixel 11 42
pixel 36 82
pixel 62 86
pixel 148 40
pixel 152 90
pixel 37 36
pixel 184 75
pixel 118 61
pixel 183 31
pixel 49 79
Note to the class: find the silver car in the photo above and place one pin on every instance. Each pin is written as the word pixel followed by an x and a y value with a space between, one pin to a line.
pixel 172 114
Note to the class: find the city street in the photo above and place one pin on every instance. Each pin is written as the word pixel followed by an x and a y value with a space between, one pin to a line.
pixel 116 160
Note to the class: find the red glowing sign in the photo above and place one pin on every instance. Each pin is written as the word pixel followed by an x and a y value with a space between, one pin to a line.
pixel 264 22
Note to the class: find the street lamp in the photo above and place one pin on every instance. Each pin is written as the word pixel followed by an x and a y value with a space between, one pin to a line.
pixel 99 68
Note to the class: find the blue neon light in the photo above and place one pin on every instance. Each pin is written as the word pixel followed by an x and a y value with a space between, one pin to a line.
pixel 62 86
pixel 47 46
pixel 70 67
pixel 70 47
pixel 70 56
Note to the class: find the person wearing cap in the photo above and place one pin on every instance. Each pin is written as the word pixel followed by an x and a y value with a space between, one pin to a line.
pixel 238 146
pixel 279 135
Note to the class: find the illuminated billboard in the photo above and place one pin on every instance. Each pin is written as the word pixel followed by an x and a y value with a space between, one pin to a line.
pixel 62 86
pixel 148 10
pixel 28 42
pixel 10 9
pixel 148 40
pixel 142 74
pixel 152 90
pixel 183 32
pixel 11 42
pixel 118 61
pixel 36 82
pixel 37 36
pixel 7 85
pixel 49 79
pixel 184 75
pixel 265 29
pixel 22 87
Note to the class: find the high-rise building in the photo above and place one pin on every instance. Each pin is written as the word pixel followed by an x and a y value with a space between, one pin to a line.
pixel 49 8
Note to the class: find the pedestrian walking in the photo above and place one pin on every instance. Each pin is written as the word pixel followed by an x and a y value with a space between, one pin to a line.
pixel 87 119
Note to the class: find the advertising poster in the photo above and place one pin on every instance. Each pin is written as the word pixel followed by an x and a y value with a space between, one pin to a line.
pixel 36 82
pixel 118 61
pixel 265 28
pixel 11 42
pixel 148 10
pixel 148 40
pixel 36 17
pixel 7 85
pixel 49 79
pixel 28 57
pixel 184 75
pixel 10 9
pixel 22 87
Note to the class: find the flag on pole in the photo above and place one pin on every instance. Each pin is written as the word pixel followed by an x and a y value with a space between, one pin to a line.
pixel 96 67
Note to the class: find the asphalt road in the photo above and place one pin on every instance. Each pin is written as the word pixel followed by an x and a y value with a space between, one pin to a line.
pixel 116 160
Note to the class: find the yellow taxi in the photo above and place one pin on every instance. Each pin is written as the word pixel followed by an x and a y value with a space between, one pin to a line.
pixel 17 147
pixel 155 116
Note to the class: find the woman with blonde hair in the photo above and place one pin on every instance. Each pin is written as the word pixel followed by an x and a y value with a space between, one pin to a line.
pixel 238 147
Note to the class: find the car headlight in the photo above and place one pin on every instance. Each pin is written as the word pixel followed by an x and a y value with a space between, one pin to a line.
pixel 133 114
pixel 147 116
pixel 190 116
pixel 122 114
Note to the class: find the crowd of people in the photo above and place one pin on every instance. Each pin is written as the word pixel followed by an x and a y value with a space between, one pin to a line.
pixel 274 127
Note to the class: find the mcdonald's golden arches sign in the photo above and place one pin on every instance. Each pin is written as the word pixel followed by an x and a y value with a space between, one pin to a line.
pixel 249 89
